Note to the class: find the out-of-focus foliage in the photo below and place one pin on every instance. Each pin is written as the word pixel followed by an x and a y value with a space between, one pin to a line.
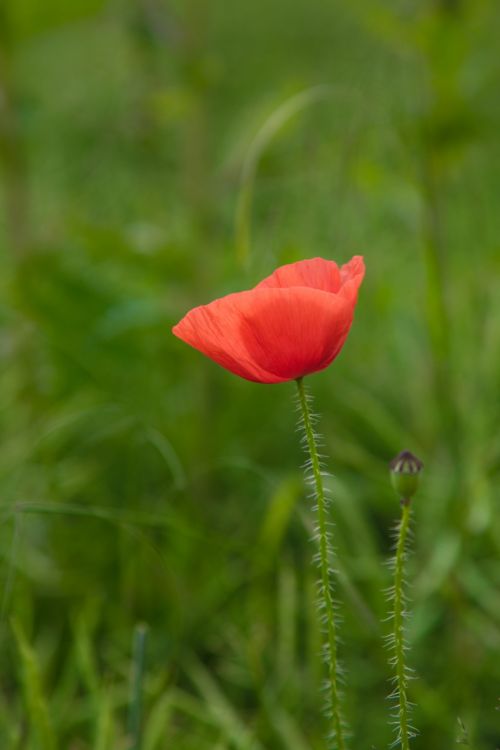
pixel 155 155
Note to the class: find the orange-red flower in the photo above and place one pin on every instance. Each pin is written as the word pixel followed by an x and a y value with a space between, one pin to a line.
pixel 293 323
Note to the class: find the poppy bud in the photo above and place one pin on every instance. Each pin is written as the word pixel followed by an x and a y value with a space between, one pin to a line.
pixel 405 475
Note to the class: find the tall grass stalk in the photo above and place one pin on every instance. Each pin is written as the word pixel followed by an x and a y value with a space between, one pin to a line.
pixel 135 708
pixel 323 537
pixel 37 708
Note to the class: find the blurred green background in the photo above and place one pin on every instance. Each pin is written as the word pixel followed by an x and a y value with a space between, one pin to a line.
pixel 156 155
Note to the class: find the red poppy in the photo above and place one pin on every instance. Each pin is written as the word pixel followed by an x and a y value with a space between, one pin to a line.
pixel 293 323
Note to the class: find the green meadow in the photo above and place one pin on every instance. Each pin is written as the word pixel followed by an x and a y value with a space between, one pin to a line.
pixel 156 586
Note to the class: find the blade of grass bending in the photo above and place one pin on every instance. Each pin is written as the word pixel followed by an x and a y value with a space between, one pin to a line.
pixel 85 659
pixel 135 708
pixel 36 704
pixel 266 133
pixel 160 716
pixel 287 623
pixel 111 515
pixel 219 707
pixel 286 726
pixel 104 735
pixel 10 575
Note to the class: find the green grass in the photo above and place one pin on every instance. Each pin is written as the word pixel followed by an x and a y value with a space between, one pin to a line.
pixel 140 483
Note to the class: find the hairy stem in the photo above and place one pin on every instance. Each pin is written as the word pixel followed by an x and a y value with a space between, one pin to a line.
pixel 404 733
pixel 326 597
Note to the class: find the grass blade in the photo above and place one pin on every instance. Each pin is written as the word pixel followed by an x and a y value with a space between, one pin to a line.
pixel 36 704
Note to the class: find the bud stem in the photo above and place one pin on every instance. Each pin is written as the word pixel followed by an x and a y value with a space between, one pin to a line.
pixel 326 574
pixel 399 639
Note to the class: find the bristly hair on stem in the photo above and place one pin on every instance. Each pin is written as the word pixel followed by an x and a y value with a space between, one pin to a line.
pixel 326 603
pixel 396 640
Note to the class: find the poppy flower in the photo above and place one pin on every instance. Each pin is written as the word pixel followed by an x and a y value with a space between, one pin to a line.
pixel 292 324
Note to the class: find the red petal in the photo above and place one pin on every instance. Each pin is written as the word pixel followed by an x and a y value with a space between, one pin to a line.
pixel 352 274
pixel 354 269
pixel 214 330
pixel 315 273
pixel 270 335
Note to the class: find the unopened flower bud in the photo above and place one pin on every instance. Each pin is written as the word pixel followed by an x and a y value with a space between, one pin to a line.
pixel 405 475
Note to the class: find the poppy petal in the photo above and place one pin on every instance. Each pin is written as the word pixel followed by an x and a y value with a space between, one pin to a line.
pixel 353 269
pixel 213 330
pixel 352 274
pixel 271 334
pixel 316 273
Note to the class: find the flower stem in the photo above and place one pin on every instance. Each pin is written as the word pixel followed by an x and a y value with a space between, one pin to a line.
pixel 326 597
pixel 401 677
